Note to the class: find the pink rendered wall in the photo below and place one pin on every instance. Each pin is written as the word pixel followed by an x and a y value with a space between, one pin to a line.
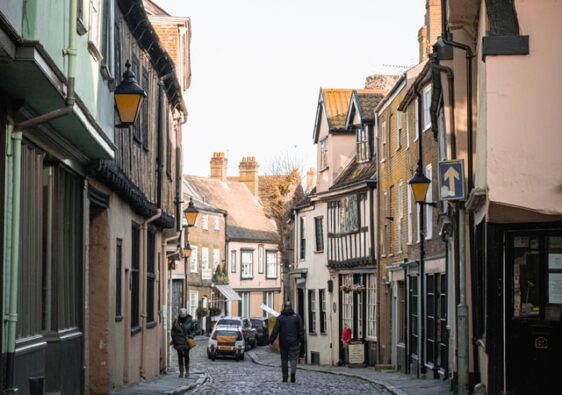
pixel 524 115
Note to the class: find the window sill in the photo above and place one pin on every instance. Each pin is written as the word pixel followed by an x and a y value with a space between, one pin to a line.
pixel 118 318
pixel 312 334
pixel 324 333
pixel 80 27
pixel 135 330
pixel 271 278
pixel 246 278
pixel 426 128
pixel 151 324
pixel 323 169
pixel 319 252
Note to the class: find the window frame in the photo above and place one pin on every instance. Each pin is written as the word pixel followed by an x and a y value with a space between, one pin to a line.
pixel 193 264
pixel 324 154
pixel 233 254
pixel 312 311
pixel 135 279
pixel 428 207
pixel 323 311
pixel 261 259
pixel 119 279
pixel 426 102
pixel 319 236
pixel 268 274
pixel 243 273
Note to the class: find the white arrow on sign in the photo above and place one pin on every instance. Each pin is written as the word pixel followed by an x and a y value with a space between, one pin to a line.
pixel 451 175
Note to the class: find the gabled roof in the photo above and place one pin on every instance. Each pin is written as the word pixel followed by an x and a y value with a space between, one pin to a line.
pixel 405 81
pixel 363 102
pixel 246 220
pixel 355 173
pixel 334 103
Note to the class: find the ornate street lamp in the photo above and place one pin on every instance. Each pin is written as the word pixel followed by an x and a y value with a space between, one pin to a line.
pixel 129 97
pixel 187 249
pixel 191 213
pixel 419 184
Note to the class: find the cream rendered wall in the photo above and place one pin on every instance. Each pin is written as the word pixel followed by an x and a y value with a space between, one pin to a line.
pixel 259 283
pixel 523 115
pixel 125 350
pixel 341 149
pixel 317 278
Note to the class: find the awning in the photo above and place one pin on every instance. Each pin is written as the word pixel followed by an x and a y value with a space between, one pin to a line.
pixel 228 292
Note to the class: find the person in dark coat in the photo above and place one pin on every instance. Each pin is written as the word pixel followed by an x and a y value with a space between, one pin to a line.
pixel 182 329
pixel 290 329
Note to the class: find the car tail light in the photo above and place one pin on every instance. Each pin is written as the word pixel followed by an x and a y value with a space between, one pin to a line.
pixel 212 347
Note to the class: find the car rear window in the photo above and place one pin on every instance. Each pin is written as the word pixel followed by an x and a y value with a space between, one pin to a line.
pixel 259 323
pixel 223 333
pixel 229 322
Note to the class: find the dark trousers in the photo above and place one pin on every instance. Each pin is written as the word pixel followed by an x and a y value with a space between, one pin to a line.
pixel 183 357
pixel 289 354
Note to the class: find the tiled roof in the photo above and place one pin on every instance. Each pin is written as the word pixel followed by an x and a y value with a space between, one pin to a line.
pixel 246 219
pixel 336 104
pixel 355 172
pixel 367 100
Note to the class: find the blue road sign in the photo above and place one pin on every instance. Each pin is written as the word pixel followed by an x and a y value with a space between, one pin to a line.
pixel 451 180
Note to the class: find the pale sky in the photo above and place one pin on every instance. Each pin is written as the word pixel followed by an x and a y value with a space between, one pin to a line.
pixel 258 65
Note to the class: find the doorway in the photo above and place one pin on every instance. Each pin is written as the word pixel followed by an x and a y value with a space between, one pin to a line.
pixel 533 306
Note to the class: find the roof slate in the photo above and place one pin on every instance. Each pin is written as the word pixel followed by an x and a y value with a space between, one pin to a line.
pixel 367 100
pixel 355 172
pixel 246 219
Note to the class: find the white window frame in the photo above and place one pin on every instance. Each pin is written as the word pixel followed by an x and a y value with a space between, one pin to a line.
pixel 193 302
pixel 426 96
pixel 410 216
pixel 324 154
pixel 246 268
pixel 244 304
pixel 194 266
pixel 261 259
pixel 233 261
pixel 271 265
pixel 428 208
pixel 204 222
pixel 384 142
pixel 204 258
pixel 217 222
pixel 416 121
pixel 398 130
pixel 216 258
pixel 407 129
pixel 400 216
pixel 269 300
pixel 362 141
pixel 347 305
pixel 371 289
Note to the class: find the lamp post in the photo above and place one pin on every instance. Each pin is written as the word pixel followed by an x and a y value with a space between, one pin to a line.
pixel 129 97
pixel 190 214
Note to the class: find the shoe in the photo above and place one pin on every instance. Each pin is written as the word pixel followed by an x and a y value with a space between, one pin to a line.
pixel 181 375
pixel 292 377
pixel 284 379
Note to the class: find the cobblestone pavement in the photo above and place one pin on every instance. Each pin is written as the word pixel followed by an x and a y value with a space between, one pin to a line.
pixel 226 376
pixel 260 372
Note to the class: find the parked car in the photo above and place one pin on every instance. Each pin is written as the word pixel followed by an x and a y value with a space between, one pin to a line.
pixel 249 333
pixel 261 325
pixel 226 341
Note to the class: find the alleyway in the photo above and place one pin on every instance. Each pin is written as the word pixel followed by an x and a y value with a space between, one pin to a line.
pixel 260 372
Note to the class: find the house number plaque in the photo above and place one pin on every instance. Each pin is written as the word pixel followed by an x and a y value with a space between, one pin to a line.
pixel 541 343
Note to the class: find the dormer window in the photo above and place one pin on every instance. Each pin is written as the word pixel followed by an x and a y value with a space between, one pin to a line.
pixel 362 138
pixel 324 154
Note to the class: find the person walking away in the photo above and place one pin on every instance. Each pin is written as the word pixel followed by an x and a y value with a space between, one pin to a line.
pixel 290 329
pixel 182 329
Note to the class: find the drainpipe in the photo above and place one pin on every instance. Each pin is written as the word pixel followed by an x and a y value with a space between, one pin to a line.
pixel 144 229
pixel 462 308
pixel 163 269
pixel 160 144
pixel 16 135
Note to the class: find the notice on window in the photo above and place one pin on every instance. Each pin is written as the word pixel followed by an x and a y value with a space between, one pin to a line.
pixel 555 288
pixel 554 261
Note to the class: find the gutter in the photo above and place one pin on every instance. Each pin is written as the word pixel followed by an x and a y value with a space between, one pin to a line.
pixel 16 135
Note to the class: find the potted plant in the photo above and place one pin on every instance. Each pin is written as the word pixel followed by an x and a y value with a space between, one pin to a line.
pixel 201 312
pixel 214 311
pixel 346 287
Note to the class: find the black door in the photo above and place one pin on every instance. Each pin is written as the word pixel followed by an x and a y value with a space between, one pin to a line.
pixel 533 306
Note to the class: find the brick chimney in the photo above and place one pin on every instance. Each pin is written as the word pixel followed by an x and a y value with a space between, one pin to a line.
pixel 248 169
pixel 218 166
pixel 310 179
pixel 431 30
